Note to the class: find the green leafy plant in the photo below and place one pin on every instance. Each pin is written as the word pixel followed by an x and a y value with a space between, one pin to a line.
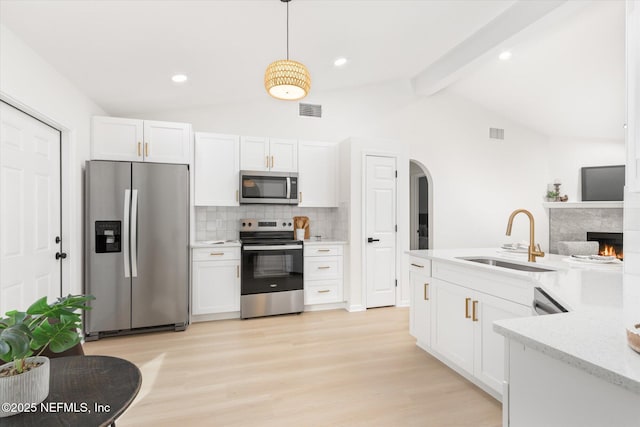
pixel 552 194
pixel 55 325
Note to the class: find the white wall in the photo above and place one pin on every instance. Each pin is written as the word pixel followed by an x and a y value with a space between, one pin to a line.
pixel 477 181
pixel 30 83
pixel 567 155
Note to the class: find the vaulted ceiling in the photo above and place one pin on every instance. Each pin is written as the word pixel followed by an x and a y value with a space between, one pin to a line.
pixel 123 53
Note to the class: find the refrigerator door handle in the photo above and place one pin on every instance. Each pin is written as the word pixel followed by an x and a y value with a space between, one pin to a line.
pixel 125 232
pixel 134 233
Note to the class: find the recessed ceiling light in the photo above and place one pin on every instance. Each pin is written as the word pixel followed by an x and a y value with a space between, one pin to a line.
pixel 179 78
pixel 505 55
pixel 339 62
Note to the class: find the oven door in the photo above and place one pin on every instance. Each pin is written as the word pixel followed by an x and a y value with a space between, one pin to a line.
pixel 268 187
pixel 271 268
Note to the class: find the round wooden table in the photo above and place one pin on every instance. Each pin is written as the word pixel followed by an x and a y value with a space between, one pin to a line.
pixel 84 391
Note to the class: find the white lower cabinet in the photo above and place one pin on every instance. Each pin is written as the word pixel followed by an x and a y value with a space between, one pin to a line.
pixel 216 280
pixel 453 325
pixel 488 358
pixel 454 321
pixel 420 309
pixel 463 330
pixel 323 274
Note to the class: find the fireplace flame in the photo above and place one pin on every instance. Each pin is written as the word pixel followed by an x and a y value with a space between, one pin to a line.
pixel 609 250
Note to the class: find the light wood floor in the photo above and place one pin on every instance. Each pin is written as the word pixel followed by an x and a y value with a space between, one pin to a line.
pixel 326 368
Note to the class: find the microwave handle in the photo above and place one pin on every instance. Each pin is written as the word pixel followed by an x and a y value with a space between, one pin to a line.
pixel 288 187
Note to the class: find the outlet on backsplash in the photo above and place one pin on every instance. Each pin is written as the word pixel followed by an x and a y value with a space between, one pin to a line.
pixel 222 222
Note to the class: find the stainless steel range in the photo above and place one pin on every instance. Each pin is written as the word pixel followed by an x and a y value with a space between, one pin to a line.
pixel 272 268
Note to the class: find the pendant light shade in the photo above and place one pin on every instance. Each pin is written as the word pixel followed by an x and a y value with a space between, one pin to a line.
pixel 287 79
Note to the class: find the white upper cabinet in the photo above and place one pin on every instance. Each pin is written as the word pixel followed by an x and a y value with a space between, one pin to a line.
pixel 283 155
pixel 633 95
pixel 255 153
pixel 318 174
pixel 268 154
pixel 166 142
pixel 114 138
pixel 216 169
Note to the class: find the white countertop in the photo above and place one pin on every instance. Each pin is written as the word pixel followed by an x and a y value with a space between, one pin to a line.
pixel 216 243
pixel 312 242
pixel 591 336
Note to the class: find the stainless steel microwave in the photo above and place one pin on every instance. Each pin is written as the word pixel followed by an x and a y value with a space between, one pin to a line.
pixel 280 188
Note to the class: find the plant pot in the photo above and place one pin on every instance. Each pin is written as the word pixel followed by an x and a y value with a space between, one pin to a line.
pixel 30 387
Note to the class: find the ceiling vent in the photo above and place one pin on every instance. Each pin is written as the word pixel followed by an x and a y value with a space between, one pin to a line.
pixel 310 110
pixel 496 133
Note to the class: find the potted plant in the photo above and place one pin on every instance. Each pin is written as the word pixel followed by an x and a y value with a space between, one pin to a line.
pixel 25 379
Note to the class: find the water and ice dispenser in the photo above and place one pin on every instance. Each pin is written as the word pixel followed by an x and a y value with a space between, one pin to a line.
pixel 108 236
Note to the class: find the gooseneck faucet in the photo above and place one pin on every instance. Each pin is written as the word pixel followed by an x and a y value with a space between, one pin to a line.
pixel 533 253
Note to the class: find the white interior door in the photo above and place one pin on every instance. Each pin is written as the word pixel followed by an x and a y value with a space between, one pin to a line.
pixel 380 231
pixel 29 209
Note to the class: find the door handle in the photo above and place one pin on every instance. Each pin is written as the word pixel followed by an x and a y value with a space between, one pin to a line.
pixel 466 308
pixel 134 233
pixel 475 309
pixel 426 290
pixel 125 233
pixel 371 240
pixel 61 255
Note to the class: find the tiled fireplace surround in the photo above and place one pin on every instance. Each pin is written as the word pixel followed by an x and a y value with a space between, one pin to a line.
pixel 572 224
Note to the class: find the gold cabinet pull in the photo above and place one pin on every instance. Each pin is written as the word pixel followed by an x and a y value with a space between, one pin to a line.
pixel 237 271
pixel 237 195
pixel 426 287
pixel 324 250
pixel 324 291
pixel 324 267
pixel 146 149
pixel 216 253
pixel 139 148
pixel 300 201
pixel 475 308
pixel 267 162
pixel 466 308
pixel 417 265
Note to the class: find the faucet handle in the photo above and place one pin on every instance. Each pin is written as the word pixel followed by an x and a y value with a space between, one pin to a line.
pixel 538 250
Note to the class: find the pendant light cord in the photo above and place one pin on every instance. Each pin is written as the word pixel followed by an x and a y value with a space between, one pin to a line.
pixel 287 31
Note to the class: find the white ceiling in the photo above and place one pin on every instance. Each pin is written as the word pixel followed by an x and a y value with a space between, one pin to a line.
pixel 567 80
pixel 122 53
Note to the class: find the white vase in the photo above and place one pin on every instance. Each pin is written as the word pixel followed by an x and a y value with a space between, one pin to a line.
pixel 31 387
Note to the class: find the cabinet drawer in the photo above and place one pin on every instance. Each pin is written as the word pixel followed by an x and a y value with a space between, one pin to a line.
pixel 215 254
pixel 420 265
pixel 323 268
pixel 322 291
pixel 327 250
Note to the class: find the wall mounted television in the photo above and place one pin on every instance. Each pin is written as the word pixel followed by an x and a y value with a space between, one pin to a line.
pixel 603 183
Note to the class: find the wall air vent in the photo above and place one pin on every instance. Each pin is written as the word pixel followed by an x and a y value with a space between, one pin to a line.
pixel 310 110
pixel 496 133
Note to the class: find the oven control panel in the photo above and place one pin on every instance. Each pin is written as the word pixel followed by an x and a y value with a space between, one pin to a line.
pixel 266 224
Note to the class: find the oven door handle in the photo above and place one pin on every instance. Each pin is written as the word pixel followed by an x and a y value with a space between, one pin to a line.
pixel 272 248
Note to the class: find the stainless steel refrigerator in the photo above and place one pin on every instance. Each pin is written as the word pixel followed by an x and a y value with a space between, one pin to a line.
pixel 136 247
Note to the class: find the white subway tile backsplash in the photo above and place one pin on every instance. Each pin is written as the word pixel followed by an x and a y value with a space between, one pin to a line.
pixel 222 222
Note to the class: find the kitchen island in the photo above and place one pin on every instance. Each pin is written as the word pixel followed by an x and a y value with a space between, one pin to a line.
pixel 562 369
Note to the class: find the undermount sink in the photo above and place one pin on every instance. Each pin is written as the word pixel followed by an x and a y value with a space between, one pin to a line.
pixel 507 264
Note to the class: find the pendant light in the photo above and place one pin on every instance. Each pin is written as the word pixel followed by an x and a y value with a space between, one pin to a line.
pixel 287 79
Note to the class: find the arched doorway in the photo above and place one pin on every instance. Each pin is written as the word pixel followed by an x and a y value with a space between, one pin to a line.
pixel 421 206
